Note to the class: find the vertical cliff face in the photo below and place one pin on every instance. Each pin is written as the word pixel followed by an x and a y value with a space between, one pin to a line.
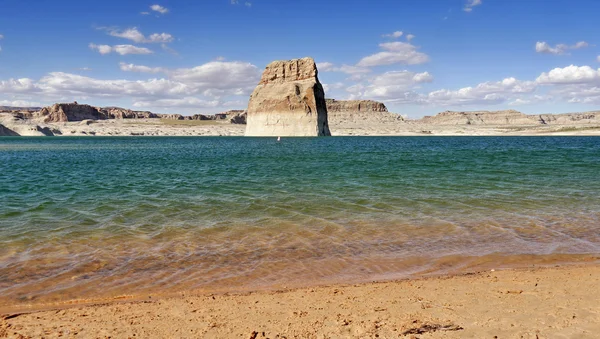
pixel 70 112
pixel 288 101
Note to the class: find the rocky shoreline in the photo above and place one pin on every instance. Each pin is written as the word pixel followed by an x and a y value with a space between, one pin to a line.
pixel 346 117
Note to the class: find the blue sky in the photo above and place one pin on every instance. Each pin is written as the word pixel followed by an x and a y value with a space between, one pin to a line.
pixel 420 57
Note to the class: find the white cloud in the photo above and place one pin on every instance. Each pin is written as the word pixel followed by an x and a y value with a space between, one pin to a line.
pixel 237 2
pixel 334 86
pixel 145 13
pixel 352 70
pixel 409 37
pixel 390 85
pixel 59 83
pixel 141 69
pixel 214 84
pixel 325 66
pixel 190 102
pixel 20 103
pixel 168 49
pixel 598 58
pixel 160 9
pixel 570 75
pixel 219 75
pixel 483 93
pixel 394 35
pixel 135 35
pixel 120 49
pixel 528 101
pixel 544 47
pixel 23 85
pixel 1 36
pixel 470 4
pixel 395 53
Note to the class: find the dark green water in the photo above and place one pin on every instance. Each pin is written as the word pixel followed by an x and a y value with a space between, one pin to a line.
pixel 99 217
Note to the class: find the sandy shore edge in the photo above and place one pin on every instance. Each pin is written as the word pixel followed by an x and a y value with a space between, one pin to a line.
pixel 556 302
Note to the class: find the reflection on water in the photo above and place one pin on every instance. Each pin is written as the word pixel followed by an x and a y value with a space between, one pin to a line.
pixel 88 218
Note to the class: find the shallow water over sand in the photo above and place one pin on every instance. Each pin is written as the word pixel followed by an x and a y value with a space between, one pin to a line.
pixel 85 218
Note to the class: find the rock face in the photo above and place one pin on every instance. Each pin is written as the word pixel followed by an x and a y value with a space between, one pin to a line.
pixel 70 112
pixel 6 132
pixel 288 101
pixel 343 112
pixel 334 106
pixel 569 118
pixel 508 117
pixel 123 113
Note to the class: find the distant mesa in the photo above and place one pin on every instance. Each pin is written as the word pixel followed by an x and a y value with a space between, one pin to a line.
pixel 509 117
pixel 67 112
pixel 358 106
pixel 288 101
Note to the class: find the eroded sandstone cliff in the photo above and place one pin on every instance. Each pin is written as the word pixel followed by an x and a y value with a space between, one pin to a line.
pixel 507 117
pixel 70 112
pixel 288 101
pixel 343 112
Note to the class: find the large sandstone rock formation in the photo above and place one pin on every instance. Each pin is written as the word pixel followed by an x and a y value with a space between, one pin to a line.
pixel 70 112
pixel 288 101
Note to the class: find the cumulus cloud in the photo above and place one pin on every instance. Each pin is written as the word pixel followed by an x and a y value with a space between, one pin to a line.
pixel 470 4
pixel 135 35
pixel 390 85
pixel 395 53
pixel 355 72
pixel 393 86
pixel 23 85
pixel 209 85
pixel 190 102
pixel 325 66
pixel 544 47
pixel 219 75
pixel 530 100
pixel 160 9
pixel 394 35
pixel 570 75
pixel 20 103
pixel 334 86
pixel 120 49
pixel 139 68
pixel 409 37
pixel 483 93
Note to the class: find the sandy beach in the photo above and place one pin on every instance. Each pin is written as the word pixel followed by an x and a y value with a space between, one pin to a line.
pixel 556 302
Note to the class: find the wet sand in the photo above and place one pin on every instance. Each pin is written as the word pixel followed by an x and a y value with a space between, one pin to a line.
pixel 556 302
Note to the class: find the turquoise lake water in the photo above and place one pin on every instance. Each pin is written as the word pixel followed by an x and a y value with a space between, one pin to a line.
pixel 85 218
